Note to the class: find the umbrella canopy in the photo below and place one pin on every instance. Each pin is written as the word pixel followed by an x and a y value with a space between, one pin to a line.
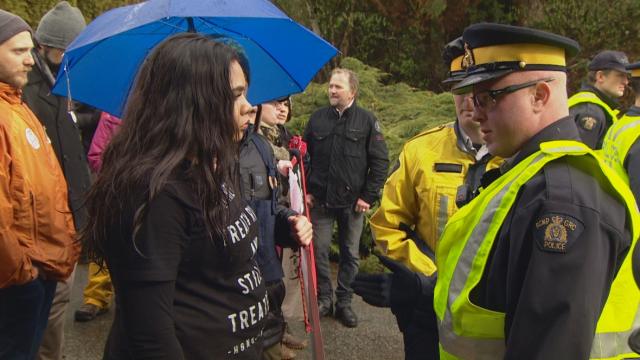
pixel 100 65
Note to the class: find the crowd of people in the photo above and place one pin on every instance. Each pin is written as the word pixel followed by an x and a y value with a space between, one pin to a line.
pixel 508 233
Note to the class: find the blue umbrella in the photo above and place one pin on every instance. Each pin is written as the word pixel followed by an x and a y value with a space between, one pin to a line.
pixel 100 65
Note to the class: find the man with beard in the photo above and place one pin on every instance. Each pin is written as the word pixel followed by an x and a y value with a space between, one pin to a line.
pixel 348 166
pixel 37 238
pixel 61 120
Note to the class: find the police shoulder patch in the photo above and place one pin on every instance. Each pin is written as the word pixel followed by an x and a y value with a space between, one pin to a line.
pixel 556 232
pixel 588 122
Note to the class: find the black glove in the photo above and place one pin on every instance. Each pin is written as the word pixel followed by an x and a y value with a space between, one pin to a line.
pixel 408 288
pixel 375 289
pixel 401 289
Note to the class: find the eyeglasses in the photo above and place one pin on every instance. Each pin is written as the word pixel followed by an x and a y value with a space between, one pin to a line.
pixel 486 98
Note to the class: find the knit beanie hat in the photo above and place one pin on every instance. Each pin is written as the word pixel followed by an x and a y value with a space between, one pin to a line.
pixel 60 25
pixel 11 25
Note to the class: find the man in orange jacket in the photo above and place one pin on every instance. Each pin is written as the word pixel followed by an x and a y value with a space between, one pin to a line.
pixel 37 246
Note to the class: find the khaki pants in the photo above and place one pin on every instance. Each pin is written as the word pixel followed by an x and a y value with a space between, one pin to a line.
pixel 52 344
pixel 292 305
pixel 98 291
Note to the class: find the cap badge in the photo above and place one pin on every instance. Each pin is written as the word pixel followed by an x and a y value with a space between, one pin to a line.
pixel 467 60
pixel 588 122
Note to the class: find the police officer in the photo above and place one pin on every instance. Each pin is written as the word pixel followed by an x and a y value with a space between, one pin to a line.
pixel 621 145
pixel 436 172
pixel 621 150
pixel 348 166
pixel 595 106
pixel 534 266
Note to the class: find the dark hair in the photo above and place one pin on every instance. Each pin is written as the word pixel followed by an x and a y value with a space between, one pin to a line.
pixel 591 75
pixel 287 103
pixel 179 111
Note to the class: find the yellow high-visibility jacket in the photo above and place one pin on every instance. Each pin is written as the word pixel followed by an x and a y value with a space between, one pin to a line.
pixel 421 193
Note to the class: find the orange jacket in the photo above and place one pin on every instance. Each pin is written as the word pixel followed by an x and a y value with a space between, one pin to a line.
pixel 36 226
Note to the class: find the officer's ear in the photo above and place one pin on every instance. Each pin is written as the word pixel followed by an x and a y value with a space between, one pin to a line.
pixel 541 96
pixel 601 76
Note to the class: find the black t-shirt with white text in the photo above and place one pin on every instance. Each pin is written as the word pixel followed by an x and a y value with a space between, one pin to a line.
pixel 182 295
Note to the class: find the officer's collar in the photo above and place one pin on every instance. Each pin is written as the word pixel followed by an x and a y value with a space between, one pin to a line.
pixel 466 145
pixel 613 103
pixel 633 111
pixel 563 129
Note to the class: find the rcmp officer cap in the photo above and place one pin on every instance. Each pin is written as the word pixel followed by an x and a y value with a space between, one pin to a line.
pixel 452 55
pixel 634 69
pixel 609 60
pixel 494 50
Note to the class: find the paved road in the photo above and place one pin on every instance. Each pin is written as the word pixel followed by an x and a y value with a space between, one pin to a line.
pixel 376 337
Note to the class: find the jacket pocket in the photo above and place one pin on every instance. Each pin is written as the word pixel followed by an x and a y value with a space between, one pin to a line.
pixel 320 148
pixel 354 142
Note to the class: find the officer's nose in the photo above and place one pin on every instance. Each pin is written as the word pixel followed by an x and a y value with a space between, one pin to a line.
pixel 478 113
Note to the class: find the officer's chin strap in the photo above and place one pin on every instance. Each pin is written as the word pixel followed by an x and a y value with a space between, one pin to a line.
pixel 72 114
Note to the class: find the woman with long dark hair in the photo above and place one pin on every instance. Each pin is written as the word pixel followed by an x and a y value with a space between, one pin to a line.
pixel 166 214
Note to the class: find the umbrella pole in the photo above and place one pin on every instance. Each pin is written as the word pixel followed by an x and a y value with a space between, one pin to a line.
pixel 190 27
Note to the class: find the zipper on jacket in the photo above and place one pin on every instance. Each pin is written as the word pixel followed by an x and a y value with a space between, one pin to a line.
pixel 34 228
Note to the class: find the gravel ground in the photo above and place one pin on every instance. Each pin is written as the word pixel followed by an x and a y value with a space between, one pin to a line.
pixel 376 337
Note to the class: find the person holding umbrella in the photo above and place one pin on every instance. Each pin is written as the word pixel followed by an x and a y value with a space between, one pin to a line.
pixel 167 215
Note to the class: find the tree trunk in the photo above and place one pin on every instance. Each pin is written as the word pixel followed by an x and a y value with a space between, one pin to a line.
pixel 346 35
pixel 313 18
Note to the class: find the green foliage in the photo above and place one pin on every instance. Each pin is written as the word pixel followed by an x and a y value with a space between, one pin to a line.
pixel 371 264
pixel 404 38
pixel 595 24
pixel 32 10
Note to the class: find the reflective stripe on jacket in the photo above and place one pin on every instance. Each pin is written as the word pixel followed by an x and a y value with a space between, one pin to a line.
pixel 619 139
pixel 421 192
pixel 36 226
pixel 468 331
pixel 589 97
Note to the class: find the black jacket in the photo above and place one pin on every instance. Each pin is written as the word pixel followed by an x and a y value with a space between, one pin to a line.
pixel 256 162
pixel 51 110
pixel 349 158
pixel 273 216
pixel 546 293
pixel 591 133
